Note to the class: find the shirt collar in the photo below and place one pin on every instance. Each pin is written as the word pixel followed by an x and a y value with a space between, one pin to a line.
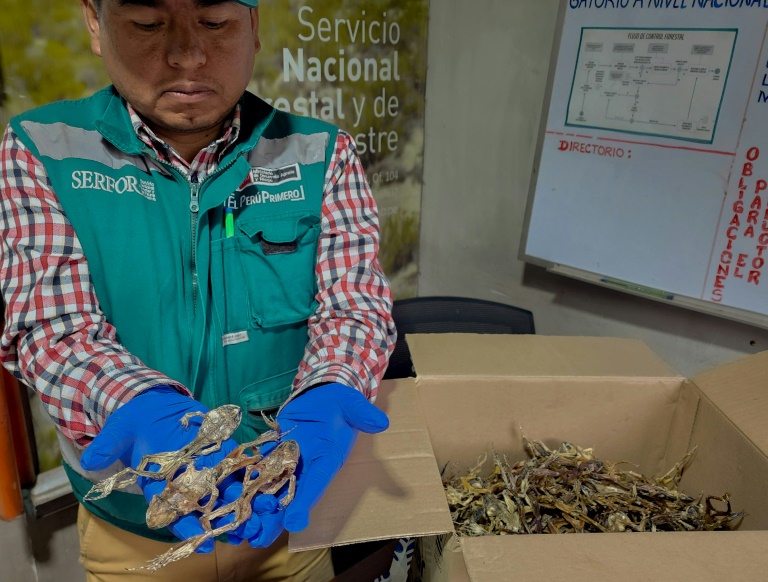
pixel 230 133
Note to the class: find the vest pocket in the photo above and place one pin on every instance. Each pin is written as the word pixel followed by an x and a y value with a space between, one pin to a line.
pixel 265 396
pixel 278 256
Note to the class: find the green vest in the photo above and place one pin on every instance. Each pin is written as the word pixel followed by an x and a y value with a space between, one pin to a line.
pixel 223 314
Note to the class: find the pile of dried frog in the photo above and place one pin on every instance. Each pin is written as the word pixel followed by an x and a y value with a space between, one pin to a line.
pixel 568 490
pixel 188 489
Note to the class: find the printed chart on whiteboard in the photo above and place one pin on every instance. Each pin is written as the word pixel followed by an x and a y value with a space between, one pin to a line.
pixel 652 173
pixel 658 82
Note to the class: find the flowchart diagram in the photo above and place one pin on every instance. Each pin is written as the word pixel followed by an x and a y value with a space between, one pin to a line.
pixel 659 82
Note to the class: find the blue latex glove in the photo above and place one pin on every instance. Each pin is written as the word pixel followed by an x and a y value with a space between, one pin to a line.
pixel 150 423
pixel 325 422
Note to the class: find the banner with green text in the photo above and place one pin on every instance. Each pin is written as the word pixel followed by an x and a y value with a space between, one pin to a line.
pixel 361 65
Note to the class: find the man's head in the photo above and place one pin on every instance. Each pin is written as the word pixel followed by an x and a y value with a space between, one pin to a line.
pixel 249 3
pixel 182 64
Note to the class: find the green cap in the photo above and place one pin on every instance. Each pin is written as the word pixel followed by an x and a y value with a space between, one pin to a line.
pixel 250 3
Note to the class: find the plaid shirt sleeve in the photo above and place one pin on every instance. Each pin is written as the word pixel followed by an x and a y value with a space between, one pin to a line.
pixel 56 338
pixel 351 334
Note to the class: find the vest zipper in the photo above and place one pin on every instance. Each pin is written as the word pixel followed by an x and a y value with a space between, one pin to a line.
pixel 194 208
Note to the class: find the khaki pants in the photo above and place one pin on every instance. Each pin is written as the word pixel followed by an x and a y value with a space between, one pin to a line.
pixel 106 551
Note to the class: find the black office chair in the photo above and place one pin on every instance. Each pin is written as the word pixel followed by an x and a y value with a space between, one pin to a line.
pixel 450 315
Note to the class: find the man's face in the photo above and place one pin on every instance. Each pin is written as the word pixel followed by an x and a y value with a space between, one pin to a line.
pixel 182 64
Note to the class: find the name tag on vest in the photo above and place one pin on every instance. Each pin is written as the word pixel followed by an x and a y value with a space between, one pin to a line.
pixel 275 176
pixel 234 338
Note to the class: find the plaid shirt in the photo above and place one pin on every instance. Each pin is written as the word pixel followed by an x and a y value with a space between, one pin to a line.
pixel 57 340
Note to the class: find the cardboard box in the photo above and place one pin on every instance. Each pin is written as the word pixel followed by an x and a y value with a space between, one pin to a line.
pixel 474 392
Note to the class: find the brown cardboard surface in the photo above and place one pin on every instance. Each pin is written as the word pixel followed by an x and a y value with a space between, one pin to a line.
pixel 650 420
pixel 612 395
pixel 630 557
pixel 629 419
pixel 439 355
pixel 726 462
pixel 389 487
pixel 679 442
pixel 740 390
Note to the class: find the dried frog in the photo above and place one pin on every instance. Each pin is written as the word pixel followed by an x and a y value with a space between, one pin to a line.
pixel 218 425
pixel 183 494
pixel 272 472
pixel 189 489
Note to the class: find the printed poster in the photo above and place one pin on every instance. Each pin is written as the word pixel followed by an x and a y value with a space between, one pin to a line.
pixel 361 66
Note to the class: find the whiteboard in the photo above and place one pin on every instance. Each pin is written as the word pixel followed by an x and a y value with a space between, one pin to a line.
pixel 651 171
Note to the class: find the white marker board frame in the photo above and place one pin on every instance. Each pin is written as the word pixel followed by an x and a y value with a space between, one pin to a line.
pixel 668 211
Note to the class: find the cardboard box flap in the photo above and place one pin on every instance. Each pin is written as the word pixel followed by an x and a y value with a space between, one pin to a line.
pixel 441 355
pixel 389 487
pixel 738 389
pixel 618 556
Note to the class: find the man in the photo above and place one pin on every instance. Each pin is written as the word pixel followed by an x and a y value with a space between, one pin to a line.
pixel 172 244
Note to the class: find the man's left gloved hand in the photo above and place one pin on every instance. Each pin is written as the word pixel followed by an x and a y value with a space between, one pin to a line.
pixel 325 422
pixel 151 423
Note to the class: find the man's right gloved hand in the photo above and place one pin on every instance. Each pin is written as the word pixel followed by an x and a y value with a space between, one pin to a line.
pixel 151 423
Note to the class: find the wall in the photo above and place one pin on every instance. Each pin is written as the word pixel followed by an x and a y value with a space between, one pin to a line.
pixel 488 66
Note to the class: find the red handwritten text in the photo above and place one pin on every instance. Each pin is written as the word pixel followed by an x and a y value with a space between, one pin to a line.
pixel 749 223
pixel 591 149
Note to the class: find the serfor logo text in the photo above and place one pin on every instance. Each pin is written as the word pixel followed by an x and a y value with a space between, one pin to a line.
pixel 88 180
